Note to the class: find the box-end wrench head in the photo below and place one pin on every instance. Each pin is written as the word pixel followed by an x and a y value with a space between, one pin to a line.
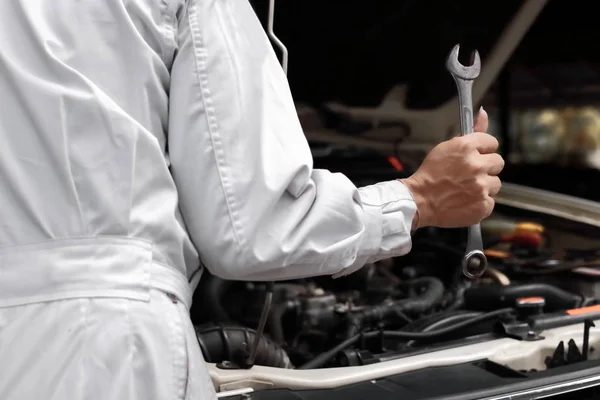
pixel 474 262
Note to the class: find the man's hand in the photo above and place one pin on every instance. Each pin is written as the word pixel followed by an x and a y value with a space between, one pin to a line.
pixel 456 184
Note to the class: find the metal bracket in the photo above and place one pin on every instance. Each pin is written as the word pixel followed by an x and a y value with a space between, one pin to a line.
pixel 521 331
pixel 278 43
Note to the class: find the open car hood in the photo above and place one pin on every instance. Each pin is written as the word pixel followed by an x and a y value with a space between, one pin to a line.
pixel 391 111
pixel 379 82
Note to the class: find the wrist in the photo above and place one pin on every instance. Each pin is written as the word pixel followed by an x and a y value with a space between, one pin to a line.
pixel 423 215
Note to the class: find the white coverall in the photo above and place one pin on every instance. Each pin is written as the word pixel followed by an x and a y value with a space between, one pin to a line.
pixel 135 135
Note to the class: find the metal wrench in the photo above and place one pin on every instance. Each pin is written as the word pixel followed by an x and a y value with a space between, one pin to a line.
pixel 474 262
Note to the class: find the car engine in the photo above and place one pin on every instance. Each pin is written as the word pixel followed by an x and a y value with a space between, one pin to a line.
pixel 404 305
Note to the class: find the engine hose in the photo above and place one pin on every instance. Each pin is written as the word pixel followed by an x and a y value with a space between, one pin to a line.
pixel 323 358
pixel 458 287
pixel 448 329
pixel 495 296
pixel 232 343
pixel 440 321
pixel 458 294
pixel 432 295
pixel 451 321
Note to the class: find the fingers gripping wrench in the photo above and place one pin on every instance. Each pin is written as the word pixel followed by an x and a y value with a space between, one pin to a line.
pixel 474 262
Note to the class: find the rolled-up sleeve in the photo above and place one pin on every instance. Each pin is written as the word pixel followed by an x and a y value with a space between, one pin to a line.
pixel 253 204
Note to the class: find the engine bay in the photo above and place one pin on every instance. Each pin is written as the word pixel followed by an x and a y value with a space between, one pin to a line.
pixel 543 274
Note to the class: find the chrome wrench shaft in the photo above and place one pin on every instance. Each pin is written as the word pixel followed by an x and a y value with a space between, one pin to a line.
pixel 474 262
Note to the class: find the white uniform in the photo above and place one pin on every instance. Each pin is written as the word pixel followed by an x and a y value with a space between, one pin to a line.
pixel 120 120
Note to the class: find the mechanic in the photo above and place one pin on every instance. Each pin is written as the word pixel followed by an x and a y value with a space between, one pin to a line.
pixel 140 136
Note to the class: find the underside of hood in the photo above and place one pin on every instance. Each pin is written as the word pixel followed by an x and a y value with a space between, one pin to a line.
pixel 383 63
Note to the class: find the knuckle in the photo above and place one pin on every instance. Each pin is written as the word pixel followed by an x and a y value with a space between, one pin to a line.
pixel 449 144
pixel 474 164
pixel 454 140
pixel 464 144
pixel 479 191
pixel 480 182
pixel 484 190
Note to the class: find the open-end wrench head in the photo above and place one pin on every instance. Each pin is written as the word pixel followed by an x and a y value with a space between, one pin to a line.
pixel 468 72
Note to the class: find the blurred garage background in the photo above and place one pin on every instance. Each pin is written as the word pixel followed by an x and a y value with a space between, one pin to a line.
pixel 544 105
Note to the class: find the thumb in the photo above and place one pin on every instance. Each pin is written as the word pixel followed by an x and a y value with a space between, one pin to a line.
pixel 481 122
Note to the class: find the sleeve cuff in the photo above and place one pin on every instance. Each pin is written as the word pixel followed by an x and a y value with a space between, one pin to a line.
pixel 389 210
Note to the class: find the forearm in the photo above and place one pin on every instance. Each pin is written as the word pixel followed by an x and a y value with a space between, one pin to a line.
pixel 332 229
